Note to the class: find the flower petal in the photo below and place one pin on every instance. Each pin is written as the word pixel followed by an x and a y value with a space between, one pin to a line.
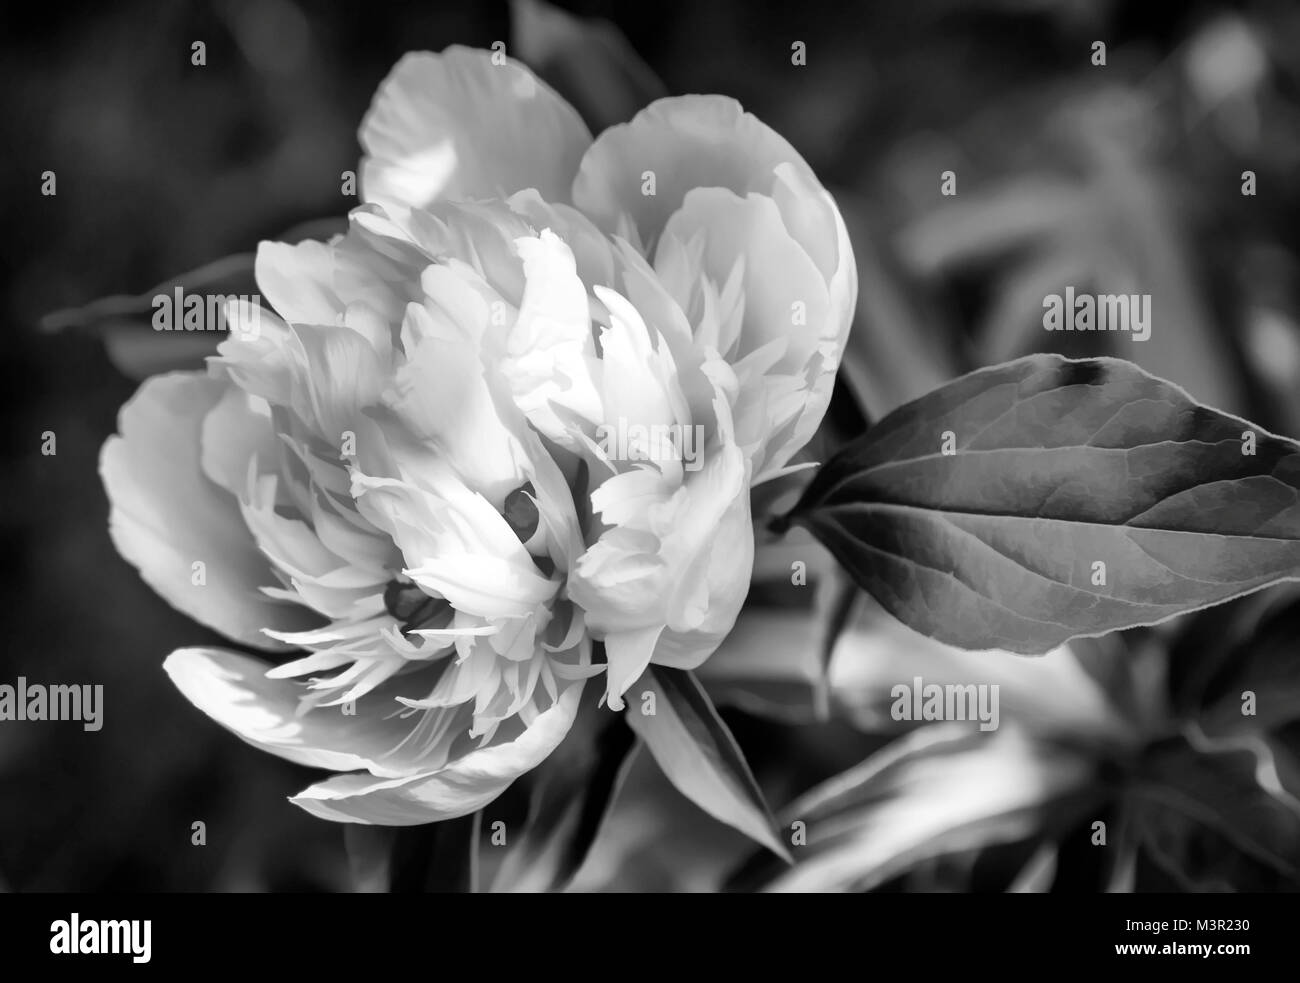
pixel 297 279
pixel 458 414
pixel 166 516
pixel 456 125
pixel 698 149
pixel 236 692
pixel 234 433
pixel 785 294
pixel 551 360
pixel 726 575
pixel 461 787
pixel 687 142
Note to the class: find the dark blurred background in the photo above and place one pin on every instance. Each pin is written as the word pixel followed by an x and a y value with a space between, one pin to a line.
pixel 1067 173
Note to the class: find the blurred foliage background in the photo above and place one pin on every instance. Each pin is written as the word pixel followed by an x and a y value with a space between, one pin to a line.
pixel 1118 178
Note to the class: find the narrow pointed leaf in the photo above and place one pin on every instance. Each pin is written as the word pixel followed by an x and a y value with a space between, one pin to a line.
pixel 1078 497
pixel 698 754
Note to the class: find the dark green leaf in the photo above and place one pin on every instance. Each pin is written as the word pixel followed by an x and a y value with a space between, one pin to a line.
pixel 1058 466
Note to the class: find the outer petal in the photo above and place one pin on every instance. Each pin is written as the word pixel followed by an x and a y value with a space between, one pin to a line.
pixel 235 691
pixel 165 515
pixel 463 786
pixel 688 142
pixel 692 142
pixel 807 210
pixel 455 125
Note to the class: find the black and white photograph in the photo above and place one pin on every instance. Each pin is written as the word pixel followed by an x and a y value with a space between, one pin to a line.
pixel 710 448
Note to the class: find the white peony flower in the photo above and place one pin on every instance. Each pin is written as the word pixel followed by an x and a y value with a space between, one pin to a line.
pixel 515 409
